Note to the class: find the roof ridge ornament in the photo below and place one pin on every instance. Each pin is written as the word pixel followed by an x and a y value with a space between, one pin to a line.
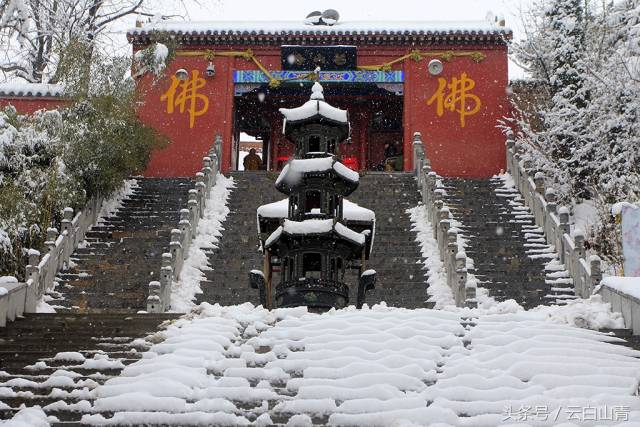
pixel 317 92
pixel 328 17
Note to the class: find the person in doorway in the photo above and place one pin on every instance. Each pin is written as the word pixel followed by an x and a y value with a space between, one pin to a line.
pixel 389 151
pixel 252 162
pixel 392 157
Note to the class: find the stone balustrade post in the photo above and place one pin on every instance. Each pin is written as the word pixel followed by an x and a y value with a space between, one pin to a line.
pixel 201 189
pixel 207 169
pixel 461 278
pixel 218 147
pixel 510 154
pixel 578 241
pixel 563 216
pixel 433 218
pixel 432 178
pixel 67 218
pixel 430 183
pixel 595 269
pixel 450 258
pixel 418 155
pixel 437 202
pixel 511 144
pixel 166 279
pixel 206 172
pixel 175 248
pixel 516 169
pixel 186 229
pixel 444 226
pixel 154 302
pixel 33 278
pixel 215 166
pixel 538 179
pixel 194 208
pixel 68 232
pixel 52 235
pixel 550 197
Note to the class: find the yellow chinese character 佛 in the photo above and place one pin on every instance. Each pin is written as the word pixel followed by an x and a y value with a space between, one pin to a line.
pixel 184 95
pixel 458 99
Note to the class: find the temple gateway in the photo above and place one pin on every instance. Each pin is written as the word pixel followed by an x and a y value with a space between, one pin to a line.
pixel 445 80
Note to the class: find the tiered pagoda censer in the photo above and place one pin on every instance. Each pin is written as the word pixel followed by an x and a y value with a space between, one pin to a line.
pixel 313 238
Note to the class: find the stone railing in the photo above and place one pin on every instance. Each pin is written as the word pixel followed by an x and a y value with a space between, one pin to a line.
pixel 554 220
pixel 623 299
pixel 159 299
pixel 450 243
pixel 42 270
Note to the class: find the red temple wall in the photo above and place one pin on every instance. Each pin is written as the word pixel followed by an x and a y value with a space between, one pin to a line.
pixel 473 150
pixel 29 105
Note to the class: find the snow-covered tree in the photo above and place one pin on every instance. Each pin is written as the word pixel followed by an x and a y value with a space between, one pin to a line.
pixel 43 39
pixel 555 54
pixel 587 55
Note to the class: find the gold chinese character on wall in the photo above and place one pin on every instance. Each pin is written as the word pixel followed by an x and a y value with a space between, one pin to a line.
pixel 456 97
pixel 184 95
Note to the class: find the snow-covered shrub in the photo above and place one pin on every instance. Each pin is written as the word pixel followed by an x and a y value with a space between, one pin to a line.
pixel 34 184
pixel 54 159
pixel 153 59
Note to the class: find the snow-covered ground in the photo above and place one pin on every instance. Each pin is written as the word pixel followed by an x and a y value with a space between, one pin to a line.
pixel 378 366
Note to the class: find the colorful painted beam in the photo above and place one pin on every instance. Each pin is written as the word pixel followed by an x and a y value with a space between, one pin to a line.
pixel 257 76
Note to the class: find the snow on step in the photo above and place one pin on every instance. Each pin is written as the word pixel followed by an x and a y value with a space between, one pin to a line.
pixel 241 365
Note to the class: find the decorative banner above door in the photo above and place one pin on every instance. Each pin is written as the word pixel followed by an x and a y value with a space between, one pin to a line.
pixel 328 58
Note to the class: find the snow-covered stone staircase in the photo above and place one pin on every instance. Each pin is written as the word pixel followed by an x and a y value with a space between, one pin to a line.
pixel 395 256
pixel 237 252
pixel 511 257
pixel 56 360
pixel 234 366
pixel 121 255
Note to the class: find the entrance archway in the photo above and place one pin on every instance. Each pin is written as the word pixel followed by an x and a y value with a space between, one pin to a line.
pixel 375 115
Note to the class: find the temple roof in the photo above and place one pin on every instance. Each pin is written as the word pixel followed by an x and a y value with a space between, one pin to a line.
pixel 463 31
pixel 31 89
pixel 294 171
pixel 315 107
pixel 315 110
pixel 315 227
pixel 352 211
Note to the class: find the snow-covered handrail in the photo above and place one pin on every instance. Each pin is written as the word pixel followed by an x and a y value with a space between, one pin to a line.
pixel 439 215
pixel 159 299
pixel 42 270
pixel 13 296
pixel 554 221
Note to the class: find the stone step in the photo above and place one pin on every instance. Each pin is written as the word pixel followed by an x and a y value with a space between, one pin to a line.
pixel 389 195
pixel 495 229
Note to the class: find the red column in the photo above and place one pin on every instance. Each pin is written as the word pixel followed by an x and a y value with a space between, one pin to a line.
pixel 227 125
pixel 363 124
